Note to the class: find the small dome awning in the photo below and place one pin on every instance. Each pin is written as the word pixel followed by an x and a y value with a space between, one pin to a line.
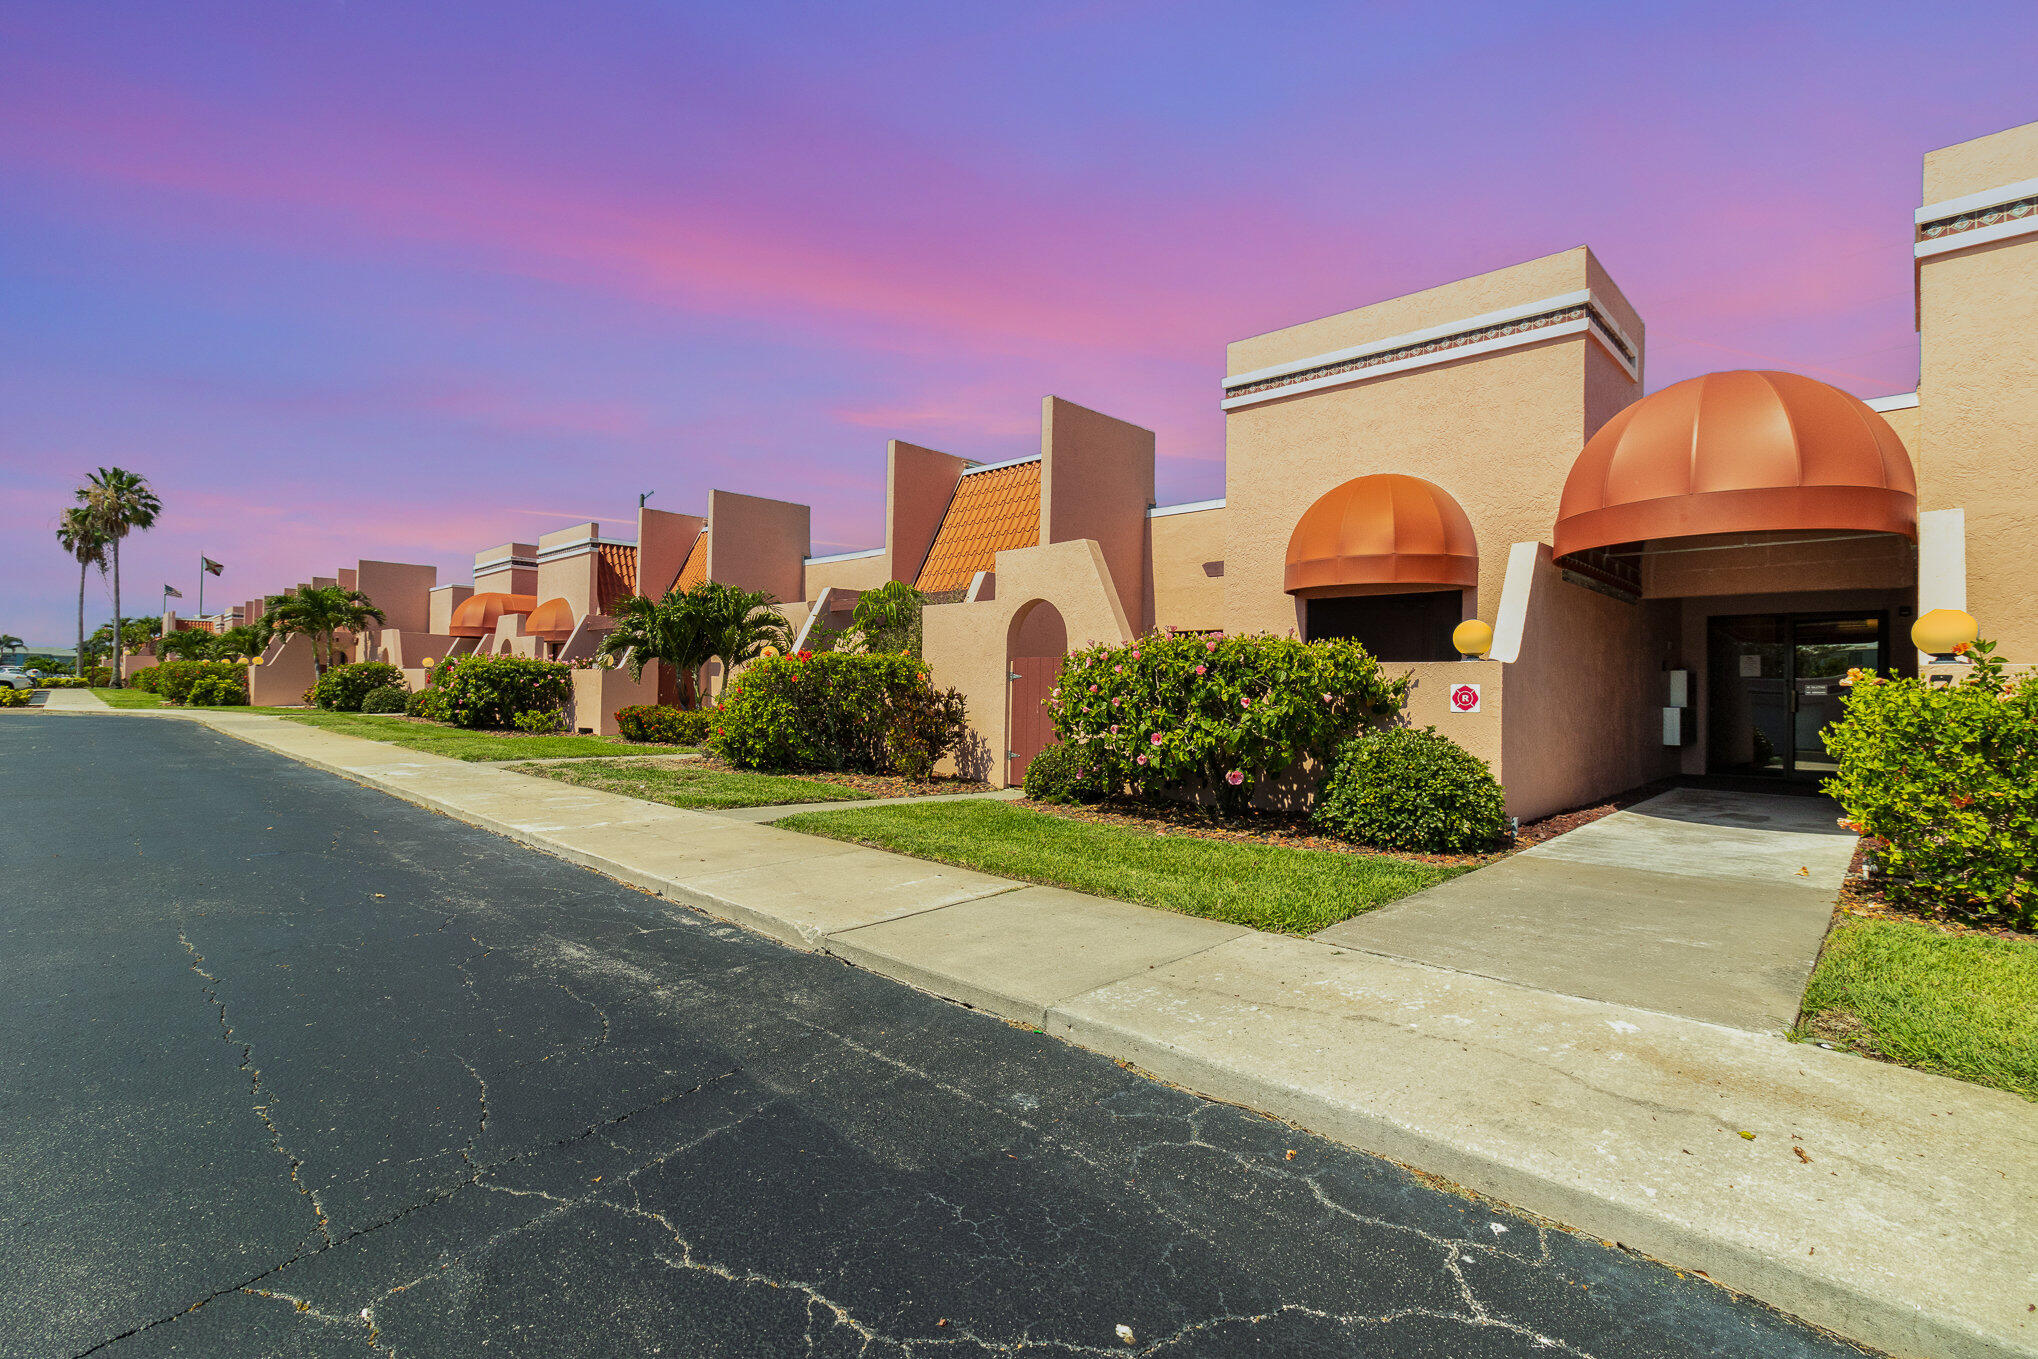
pixel 1738 452
pixel 477 614
pixel 1381 534
pixel 553 620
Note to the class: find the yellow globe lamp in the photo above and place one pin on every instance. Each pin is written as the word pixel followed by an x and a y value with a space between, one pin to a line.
pixel 1942 633
pixel 1472 638
pixel 769 653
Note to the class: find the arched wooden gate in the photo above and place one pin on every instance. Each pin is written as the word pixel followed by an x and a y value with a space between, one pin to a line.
pixel 1035 647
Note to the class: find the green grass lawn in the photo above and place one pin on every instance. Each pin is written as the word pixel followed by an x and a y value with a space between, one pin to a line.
pixel 678 785
pixel 1960 1005
pixel 458 744
pixel 128 698
pixel 1268 887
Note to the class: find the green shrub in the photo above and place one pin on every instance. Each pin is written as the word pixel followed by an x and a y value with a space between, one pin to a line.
pixel 1062 773
pixel 219 690
pixel 60 682
pixel 98 676
pixel 428 703
pixel 656 722
pixel 174 680
pixel 490 691
pixel 11 697
pixel 1945 781
pixel 342 688
pixel 146 680
pixel 392 699
pixel 833 710
pixel 539 720
pixel 1412 788
pixel 1180 713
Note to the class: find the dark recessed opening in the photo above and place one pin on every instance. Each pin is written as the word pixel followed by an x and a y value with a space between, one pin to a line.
pixel 1407 627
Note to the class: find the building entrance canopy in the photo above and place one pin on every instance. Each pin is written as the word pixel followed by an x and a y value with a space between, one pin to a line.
pixel 1738 452
pixel 1382 534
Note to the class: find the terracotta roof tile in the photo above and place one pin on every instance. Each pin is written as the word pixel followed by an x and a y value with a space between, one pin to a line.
pixel 696 568
pixel 989 513
pixel 615 570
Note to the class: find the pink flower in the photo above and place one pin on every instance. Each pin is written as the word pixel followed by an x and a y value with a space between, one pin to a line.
pixel 1201 668
pixel 1234 778
pixel 1118 700
pixel 1118 669
pixel 1140 759
pixel 1114 728
pixel 1326 698
pixel 1245 703
pixel 1093 688
pixel 1135 655
pixel 1155 738
pixel 1210 646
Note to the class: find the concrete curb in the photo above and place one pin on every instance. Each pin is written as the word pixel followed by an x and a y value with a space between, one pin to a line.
pixel 1581 1111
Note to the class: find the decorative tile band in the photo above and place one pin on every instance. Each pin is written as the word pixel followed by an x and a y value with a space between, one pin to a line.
pixel 1583 311
pixel 1980 217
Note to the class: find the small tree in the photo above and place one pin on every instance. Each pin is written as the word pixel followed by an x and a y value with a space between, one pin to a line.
pixel 320 614
pixel 238 643
pixel 119 502
pixel 741 625
pixel 688 628
pixel 888 618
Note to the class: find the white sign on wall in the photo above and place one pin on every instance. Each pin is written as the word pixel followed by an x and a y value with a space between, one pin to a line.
pixel 1465 698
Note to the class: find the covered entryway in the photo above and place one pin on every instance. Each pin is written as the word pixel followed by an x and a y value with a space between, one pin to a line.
pixel 1773 686
pixel 1036 644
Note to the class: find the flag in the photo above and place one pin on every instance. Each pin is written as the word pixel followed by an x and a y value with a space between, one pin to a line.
pixel 210 565
pixel 172 592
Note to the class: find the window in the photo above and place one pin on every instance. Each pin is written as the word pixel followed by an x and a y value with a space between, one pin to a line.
pixel 1405 627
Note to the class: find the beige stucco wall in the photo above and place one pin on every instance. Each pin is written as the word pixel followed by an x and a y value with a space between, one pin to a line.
pixel 570 578
pixel 664 537
pixel 598 692
pixel 758 544
pixel 402 590
pixel 919 483
pixel 861 573
pixel 1773 563
pixel 1096 483
pixel 1187 552
pixel 286 671
pixel 445 599
pixel 507 579
pixel 1978 389
pixel 967 645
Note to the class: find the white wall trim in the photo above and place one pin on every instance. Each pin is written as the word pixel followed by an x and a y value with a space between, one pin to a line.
pixel 858 555
pixel 813 617
pixel 994 466
pixel 1985 198
pixel 1905 402
pixel 982 586
pixel 502 564
pixel 1493 346
pixel 1965 240
pixel 577 546
pixel 1559 302
pixel 1510 620
pixel 1187 507
pixel 1942 563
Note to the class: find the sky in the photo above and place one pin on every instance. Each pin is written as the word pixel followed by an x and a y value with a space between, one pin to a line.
pixel 352 279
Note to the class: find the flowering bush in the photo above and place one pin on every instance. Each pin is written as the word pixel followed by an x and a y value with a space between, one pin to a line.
pixel 1411 788
pixel 11 697
pixel 1062 774
pixel 664 725
pixel 539 720
pixel 1944 781
pixel 175 680
pixel 343 687
pixel 1176 712
pixel 491 691
pixel 220 690
pixel 833 710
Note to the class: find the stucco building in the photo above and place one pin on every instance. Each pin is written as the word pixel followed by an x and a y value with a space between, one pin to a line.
pixel 1674 582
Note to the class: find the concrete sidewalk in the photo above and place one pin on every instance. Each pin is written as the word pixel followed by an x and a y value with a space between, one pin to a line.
pixel 83 700
pixel 1704 904
pixel 1897 1208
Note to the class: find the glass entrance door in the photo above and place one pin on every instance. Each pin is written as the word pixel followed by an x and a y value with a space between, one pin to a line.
pixel 1773 687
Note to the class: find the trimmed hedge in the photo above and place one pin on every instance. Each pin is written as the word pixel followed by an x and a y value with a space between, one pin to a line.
pixel 1062 773
pixel 1945 782
pixel 219 691
pixel 342 688
pixel 392 699
pixel 61 682
pixel 11 697
pixel 1412 788
pixel 1176 713
pixel 175 680
pixel 493 691
pixel 664 725
pixel 878 714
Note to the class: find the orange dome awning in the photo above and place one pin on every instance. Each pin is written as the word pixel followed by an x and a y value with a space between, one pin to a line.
pixel 1738 452
pixel 1380 534
pixel 553 620
pixel 477 614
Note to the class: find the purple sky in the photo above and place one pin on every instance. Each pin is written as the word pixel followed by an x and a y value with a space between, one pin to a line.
pixel 394 280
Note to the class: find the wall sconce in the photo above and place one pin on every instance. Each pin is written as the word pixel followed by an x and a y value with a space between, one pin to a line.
pixel 1472 638
pixel 1941 634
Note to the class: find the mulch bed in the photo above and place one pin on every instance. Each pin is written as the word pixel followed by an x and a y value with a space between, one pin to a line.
pixel 877 785
pixel 1294 832
pixel 1868 897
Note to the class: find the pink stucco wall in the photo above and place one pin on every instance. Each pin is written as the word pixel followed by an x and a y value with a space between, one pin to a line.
pixel 758 544
pixel 1096 482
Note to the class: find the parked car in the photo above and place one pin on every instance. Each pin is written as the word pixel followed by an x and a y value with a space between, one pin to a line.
pixel 14 677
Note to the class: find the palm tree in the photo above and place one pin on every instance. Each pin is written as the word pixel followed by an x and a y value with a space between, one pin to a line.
pixel 121 502
pixel 79 532
pixel 889 617
pixel 740 625
pixel 10 643
pixel 321 613
pixel 660 630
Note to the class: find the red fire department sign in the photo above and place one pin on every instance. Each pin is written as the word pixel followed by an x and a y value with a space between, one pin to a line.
pixel 1465 698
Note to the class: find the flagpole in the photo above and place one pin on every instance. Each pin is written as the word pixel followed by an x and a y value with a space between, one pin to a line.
pixel 201 585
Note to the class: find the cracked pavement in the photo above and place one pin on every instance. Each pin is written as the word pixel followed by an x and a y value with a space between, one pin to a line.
pixel 293 1068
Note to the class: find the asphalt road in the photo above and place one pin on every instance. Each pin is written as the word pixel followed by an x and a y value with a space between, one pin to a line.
pixel 293 1068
